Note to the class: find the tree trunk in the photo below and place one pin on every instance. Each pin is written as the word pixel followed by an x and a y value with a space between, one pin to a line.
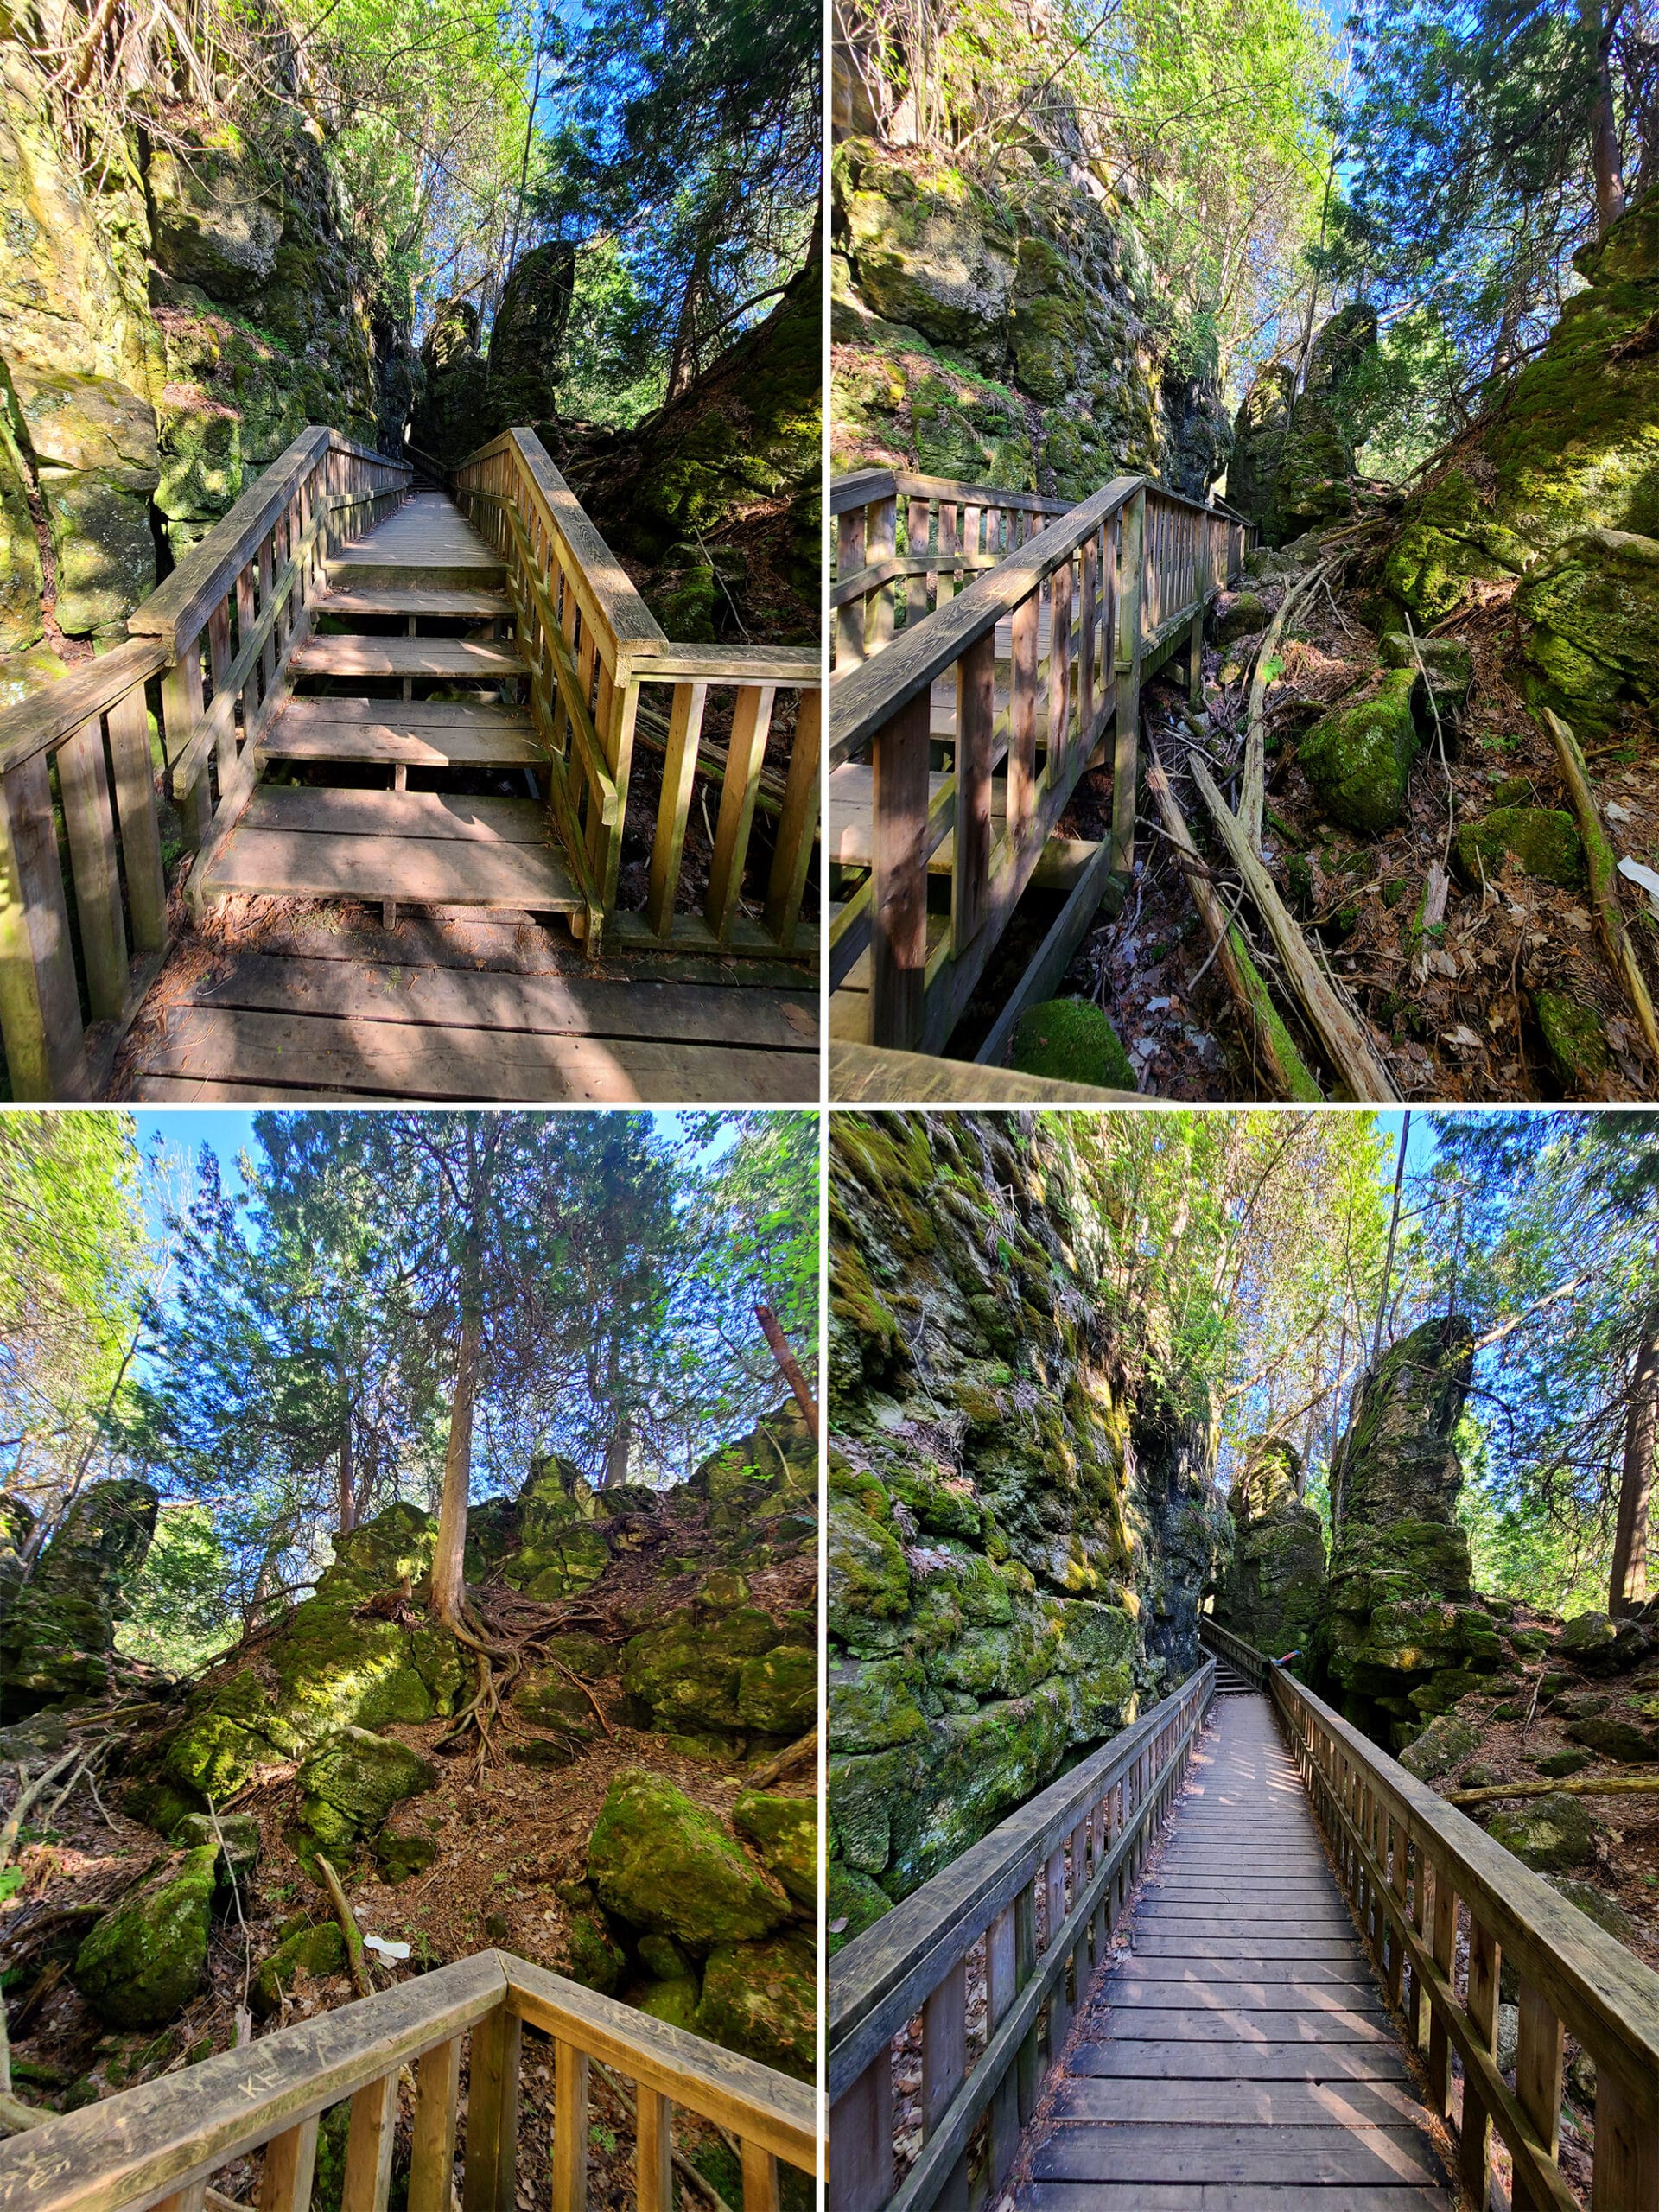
pixel 1627 1583
pixel 449 1555
pixel 1609 180
pixel 347 1494
pixel 616 1458
pixel 789 1366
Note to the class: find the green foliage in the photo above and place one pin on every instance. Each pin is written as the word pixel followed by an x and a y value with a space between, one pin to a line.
pixel 614 370
pixel 175 1613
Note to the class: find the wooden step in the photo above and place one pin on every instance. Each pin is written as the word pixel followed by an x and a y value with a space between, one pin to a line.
pixel 368 572
pixel 420 848
pixel 432 657
pixel 415 600
pixel 413 733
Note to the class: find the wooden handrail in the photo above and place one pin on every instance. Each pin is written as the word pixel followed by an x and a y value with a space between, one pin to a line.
pixel 1412 1868
pixel 1079 1845
pixel 165 2138
pixel 34 724
pixel 865 486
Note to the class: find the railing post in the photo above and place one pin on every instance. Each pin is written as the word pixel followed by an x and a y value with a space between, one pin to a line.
pixel 40 1004
pixel 849 559
pixel 135 807
pixel 368 2147
pixel 1539 2065
pixel 861 2129
pixel 290 2161
pixel 944 2062
pixel 570 2070
pixel 881 545
pixel 760 2179
pixel 653 2151
pixel 432 2151
pixel 792 854
pixel 898 874
pixel 1001 1987
pixel 1131 554
pixel 181 711
pixel 1475 2131
pixel 492 2148
pixel 1626 2174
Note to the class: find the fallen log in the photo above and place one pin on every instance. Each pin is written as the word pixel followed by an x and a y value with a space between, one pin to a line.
pixel 1342 1036
pixel 1268 1035
pixel 1252 797
pixel 1603 864
pixel 1609 1785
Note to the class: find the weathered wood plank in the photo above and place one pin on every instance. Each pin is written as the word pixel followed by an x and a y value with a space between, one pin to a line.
pixel 418 871
pixel 1326 2156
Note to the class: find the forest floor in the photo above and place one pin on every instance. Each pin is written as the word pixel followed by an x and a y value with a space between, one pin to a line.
pixel 507 1836
pixel 1452 1006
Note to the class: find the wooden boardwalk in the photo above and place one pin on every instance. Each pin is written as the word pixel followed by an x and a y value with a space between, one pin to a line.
pixel 1240 2058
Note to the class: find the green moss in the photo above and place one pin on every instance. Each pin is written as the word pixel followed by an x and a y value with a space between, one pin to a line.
pixel 761 1999
pixel 401 1857
pixel 592 1956
pixel 664 1864
pixel 1359 759
pixel 691 1670
pixel 1550 1833
pixel 674 2002
pixel 1072 1041
pixel 778 1691
pixel 784 1831
pixel 351 1782
pixel 1543 840
pixel 147 1959
pixel 1577 1042
pixel 853 1902
pixel 317 1951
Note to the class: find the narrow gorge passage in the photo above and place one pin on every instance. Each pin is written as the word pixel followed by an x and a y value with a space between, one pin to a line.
pixel 1238 2057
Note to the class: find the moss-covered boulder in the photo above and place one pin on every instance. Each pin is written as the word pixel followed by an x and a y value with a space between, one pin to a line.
pixel 778 1691
pixel 1558 1764
pixel 853 1902
pixel 593 1957
pixel 145 1960
pixel 690 1671
pixel 1359 760
pixel 351 1782
pixel 1616 1738
pixel 57 1633
pixel 674 2002
pixel 1541 840
pixel 1594 612
pixel 1271 1592
pixel 400 1856
pixel 236 1834
pixel 1575 1038
pixel 761 1999
pixel 1072 1041
pixel 1246 614
pixel 774 1469
pixel 1598 1646
pixel 784 1832
pixel 1550 1833
pixel 308 1953
pixel 1443 1745
pixel 664 1864
pixel 1445 669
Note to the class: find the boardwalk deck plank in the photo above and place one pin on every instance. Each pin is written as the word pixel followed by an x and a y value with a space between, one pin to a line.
pixel 1238 2057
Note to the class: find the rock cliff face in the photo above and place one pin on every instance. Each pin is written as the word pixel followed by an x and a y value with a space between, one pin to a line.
pixel 57 1628
pixel 1007 331
pixel 165 331
pixel 1019 1540
pixel 1400 1636
pixel 1292 467
pixel 1561 488
pixel 1271 1592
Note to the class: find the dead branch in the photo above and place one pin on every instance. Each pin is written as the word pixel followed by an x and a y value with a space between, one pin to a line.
pixel 1609 1785
pixel 797 1755
pixel 348 1928
pixel 1603 881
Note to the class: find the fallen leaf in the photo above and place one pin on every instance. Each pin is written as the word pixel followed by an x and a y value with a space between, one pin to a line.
pixel 1464 1039
pixel 801 1019
pixel 1576 919
pixel 1616 810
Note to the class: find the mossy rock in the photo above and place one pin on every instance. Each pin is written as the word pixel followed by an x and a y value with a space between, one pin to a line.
pixel 1550 1833
pixel 316 1953
pixel 587 1655
pixel 661 1957
pixel 778 1691
pixel 875 1704
pixel 1439 1747
pixel 1446 663
pixel 401 1857
pixel 1248 616
pixel 663 1863
pixel 350 1784
pixel 546 1750
pixel 1072 1041
pixel 148 1958
pixel 1542 839
pixel 1616 1739
pixel 593 1957
pixel 1591 1642
pixel 1556 1765
pixel 674 2002
pixel 760 1998
pixel 868 1578
pixel 690 1671
pixel 784 1831
pixel 1576 1039
pixel 1359 760
pixel 239 1832
pixel 853 1902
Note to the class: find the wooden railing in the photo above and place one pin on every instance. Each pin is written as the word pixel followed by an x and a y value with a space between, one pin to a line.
pixel 1093 603
pixel 1033 1903
pixel 83 923
pixel 593 645
pixel 161 2144
pixel 949 531
pixel 1442 1909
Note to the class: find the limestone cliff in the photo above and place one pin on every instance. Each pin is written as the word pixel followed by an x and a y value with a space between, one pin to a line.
pixel 1292 467
pixel 166 326
pixel 58 1613
pixel 1007 330
pixel 1271 1592
pixel 1020 1536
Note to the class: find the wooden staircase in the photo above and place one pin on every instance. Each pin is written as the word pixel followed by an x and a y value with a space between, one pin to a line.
pixel 428 605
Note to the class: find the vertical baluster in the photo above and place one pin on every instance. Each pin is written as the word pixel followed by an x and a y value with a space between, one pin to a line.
pixel 849 559
pixel 267 651
pixel 290 2160
pixel 1474 2135
pixel 1129 525
pixel 946 587
pixel 793 853
pixel 40 1004
pixel 1059 671
pixel 569 2127
pixel 1020 789
pixel 739 790
pixel 760 2179
pixel 368 2146
pixel 860 2128
pixel 492 2149
pixel 1059 2010
pixel 919 533
pixel 1626 2173
pixel 899 875
pixel 883 538
pixel 1001 1987
pixel 1397 1884
pixel 190 2199
pixel 674 805
pixel 1028 2067
pixel 432 2142
pixel 181 712
pixel 976 719
pixel 1103 1920
pixel 1418 2015
pixel 135 807
pixel 653 2154
pixel 1539 2062
pixel 89 822
pixel 1088 615
pixel 944 2062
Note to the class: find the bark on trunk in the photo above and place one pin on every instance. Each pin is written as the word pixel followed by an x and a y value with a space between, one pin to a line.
pixel 790 1366
pixel 1627 1583
pixel 347 1494
pixel 616 1458
pixel 449 1579
pixel 1610 181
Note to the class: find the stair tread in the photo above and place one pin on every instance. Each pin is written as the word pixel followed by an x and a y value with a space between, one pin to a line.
pixel 414 600
pixel 397 814
pixel 439 656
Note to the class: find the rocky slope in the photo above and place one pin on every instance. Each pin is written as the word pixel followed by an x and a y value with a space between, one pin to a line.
pixel 1007 328
pixel 665 1652
pixel 166 327
pixel 1275 1583
pixel 1019 1541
